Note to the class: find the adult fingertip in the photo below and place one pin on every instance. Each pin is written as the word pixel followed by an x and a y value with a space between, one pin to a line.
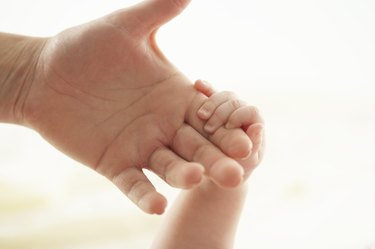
pixel 153 203
pixel 191 176
pixel 195 175
pixel 227 173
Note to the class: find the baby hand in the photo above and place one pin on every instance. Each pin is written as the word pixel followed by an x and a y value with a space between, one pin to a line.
pixel 225 109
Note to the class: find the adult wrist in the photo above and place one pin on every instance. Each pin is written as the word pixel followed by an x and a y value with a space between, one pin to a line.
pixel 19 61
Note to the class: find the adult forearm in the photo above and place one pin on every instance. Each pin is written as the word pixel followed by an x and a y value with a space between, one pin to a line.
pixel 205 217
pixel 18 62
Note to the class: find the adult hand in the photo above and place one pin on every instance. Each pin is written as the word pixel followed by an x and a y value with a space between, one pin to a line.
pixel 104 94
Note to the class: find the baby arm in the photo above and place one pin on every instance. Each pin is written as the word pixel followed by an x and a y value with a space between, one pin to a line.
pixel 207 216
pixel 201 218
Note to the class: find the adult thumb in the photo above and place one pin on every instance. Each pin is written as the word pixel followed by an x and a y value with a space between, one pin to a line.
pixel 154 13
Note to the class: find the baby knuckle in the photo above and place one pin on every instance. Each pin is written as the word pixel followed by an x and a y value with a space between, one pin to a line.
pixel 219 117
pixel 235 103
pixel 254 110
pixel 229 95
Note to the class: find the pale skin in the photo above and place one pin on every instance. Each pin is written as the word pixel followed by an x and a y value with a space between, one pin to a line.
pixel 203 217
pixel 207 216
pixel 224 109
pixel 104 94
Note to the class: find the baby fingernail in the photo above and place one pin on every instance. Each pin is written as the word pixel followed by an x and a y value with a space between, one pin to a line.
pixel 209 128
pixel 204 113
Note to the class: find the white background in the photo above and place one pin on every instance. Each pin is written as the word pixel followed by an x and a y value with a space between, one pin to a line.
pixel 308 65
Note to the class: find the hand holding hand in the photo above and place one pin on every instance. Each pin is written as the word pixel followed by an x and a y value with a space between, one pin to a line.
pixel 104 94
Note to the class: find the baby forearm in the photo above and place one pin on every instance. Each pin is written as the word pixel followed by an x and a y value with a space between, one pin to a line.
pixel 205 217
pixel 18 62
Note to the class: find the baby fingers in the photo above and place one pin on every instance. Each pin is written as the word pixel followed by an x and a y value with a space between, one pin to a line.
pixel 244 117
pixel 222 113
pixel 204 87
pixel 217 109
pixel 256 134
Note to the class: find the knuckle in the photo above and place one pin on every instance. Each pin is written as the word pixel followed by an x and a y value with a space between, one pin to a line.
pixel 229 95
pixel 218 117
pixel 170 172
pixel 134 187
pixel 235 103
pixel 200 152
pixel 254 111
pixel 257 114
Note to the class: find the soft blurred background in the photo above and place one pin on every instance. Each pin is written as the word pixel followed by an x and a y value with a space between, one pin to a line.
pixel 308 65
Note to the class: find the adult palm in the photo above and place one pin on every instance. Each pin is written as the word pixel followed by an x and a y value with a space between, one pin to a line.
pixel 104 94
